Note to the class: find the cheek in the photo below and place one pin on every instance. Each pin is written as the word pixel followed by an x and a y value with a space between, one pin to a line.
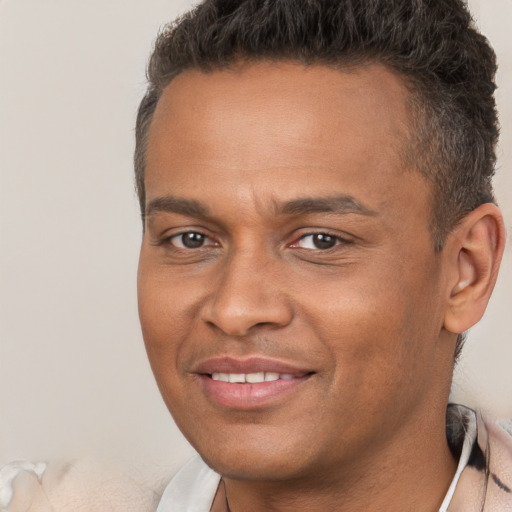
pixel 370 323
pixel 163 328
pixel 164 299
pixel 160 318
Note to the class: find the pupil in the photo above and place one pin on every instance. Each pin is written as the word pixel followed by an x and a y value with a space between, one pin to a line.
pixel 192 240
pixel 323 241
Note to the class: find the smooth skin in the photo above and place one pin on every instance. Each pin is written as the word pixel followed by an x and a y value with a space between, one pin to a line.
pixel 282 223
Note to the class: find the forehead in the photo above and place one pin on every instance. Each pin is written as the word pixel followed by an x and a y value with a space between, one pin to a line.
pixel 305 127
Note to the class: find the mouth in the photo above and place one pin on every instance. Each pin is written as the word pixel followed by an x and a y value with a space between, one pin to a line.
pixel 251 383
pixel 252 378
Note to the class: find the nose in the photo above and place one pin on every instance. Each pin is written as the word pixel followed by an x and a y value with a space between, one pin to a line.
pixel 247 294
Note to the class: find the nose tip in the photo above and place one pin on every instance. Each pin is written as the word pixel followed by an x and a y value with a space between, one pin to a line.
pixel 245 300
pixel 238 319
pixel 239 322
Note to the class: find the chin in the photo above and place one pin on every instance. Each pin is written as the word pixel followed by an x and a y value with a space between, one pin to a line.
pixel 253 468
pixel 257 460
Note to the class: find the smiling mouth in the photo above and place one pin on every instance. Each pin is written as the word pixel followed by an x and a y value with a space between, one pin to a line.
pixel 253 390
pixel 249 383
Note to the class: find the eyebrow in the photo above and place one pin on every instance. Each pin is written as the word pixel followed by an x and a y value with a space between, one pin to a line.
pixel 171 204
pixel 341 204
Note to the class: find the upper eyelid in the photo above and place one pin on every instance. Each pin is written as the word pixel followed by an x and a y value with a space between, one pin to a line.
pixel 185 231
pixel 177 231
pixel 340 243
pixel 341 238
pixel 165 237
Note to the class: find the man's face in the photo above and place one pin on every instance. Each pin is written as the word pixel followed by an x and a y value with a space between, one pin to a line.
pixel 287 247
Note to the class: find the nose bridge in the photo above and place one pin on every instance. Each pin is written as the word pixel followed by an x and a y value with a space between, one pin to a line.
pixel 247 293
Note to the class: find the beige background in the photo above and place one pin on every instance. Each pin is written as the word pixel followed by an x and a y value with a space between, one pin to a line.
pixel 73 373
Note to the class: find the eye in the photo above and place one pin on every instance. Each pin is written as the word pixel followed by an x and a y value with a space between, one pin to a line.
pixel 318 241
pixel 190 240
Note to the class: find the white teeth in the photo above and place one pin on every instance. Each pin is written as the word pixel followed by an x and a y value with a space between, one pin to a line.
pixel 251 378
pixel 224 377
pixel 255 378
pixel 237 377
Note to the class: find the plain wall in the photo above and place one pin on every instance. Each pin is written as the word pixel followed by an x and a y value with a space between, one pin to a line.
pixel 73 372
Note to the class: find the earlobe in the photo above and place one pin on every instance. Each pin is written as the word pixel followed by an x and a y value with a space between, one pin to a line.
pixel 474 252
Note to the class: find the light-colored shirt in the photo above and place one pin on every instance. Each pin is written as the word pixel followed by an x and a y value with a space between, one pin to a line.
pixel 482 481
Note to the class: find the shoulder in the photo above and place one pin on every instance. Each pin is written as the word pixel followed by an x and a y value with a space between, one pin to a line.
pixel 498 447
pixel 485 484
pixel 83 485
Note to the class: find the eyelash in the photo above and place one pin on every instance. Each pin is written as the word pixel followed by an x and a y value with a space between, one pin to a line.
pixel 335 238
pixel 169 239
pixel 337 241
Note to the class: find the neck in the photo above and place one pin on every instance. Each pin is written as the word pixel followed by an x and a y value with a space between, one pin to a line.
pixel 412 474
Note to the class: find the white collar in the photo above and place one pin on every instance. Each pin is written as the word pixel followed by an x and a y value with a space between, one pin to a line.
pixel 194 487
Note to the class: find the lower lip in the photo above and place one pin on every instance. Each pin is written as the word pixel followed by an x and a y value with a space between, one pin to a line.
pixel 249 396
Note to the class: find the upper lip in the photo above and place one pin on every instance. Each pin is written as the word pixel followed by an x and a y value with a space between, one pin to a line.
pixel 248 365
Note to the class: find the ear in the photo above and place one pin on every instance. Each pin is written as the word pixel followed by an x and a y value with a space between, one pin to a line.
pixel 474 250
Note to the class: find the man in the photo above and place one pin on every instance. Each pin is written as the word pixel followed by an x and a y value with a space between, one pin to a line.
pixel 319 232
pixel 304 269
